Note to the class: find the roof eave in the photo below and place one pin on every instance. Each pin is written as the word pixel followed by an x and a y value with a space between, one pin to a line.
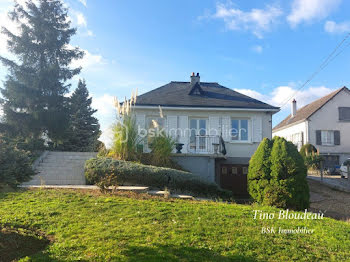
pixel 221 108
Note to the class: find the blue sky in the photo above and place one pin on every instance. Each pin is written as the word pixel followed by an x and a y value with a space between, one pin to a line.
pixel 265 49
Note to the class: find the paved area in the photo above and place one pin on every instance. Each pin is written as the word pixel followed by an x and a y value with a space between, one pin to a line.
pixel 335 182
pixel 334 203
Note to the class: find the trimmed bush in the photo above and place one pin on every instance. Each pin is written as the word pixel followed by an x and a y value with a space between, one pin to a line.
pixel 288 175
pixel 131 173
pixel 15 165
pixel 259 170
pixel 277 175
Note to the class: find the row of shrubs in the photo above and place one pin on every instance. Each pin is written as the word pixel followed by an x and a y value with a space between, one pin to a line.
pixel 105 171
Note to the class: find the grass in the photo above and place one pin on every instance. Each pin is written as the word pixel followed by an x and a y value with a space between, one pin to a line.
pixel 94 227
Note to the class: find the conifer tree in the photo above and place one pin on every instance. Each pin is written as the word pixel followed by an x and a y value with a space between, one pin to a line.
pixel 84 129
pixel 34 99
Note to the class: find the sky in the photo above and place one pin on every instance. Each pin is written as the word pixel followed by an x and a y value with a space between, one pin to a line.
pixel 265 49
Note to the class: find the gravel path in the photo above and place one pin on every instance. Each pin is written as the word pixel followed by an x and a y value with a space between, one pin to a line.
pixel 335 203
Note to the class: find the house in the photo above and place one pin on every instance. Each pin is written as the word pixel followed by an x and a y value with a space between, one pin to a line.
pixel 324 123
pixel 219 128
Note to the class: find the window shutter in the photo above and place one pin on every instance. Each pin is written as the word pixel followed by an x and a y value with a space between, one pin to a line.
pixel 214 126
pixel 318 137
pixel 226 128
pixel 141 120
pixel 337 137
pixel 172 126
pixel 184 132
pixel 257 129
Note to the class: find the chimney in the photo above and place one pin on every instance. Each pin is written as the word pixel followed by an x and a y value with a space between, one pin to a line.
pixel 294 108
pixel 195 78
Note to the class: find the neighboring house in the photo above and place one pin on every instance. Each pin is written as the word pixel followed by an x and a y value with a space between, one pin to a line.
pixel 208 119
pixel 324 123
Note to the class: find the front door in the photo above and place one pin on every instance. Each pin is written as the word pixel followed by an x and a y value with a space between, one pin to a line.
pixel 234 178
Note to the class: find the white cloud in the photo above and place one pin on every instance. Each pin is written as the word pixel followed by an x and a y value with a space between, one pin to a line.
pixel 308 10
pixel 257 49
pixel 106 114
pixel 285 94
pixel 81 20
pixel 83 2
pixel 257 21
pixel 337 28
pixel 89 61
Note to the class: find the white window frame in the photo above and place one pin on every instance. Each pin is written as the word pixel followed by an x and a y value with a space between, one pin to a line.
pixel 239 140
pixel 197 146
pixel 327 137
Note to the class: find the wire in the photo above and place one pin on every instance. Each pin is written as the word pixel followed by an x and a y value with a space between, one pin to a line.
pixel 323 65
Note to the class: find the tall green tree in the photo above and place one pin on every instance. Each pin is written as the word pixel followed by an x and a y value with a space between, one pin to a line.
pixel 34 99
pixel 84 129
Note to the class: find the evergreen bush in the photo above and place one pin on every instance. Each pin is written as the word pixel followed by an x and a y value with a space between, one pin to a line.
pixel 277 175
pixel 15 165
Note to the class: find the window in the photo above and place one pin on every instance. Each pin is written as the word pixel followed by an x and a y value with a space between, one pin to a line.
pixel 327 137
pixel 198 129
pixel 234 170
pixel 245 170
pixel 239 129
pixel 344 113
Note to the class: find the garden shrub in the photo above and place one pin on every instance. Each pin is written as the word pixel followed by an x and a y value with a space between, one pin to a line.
pixel 307 149
pixel 161 148
pixel 131 173
pixel 277 175
pixel 312 158
pixel 15 165
pixel 259 170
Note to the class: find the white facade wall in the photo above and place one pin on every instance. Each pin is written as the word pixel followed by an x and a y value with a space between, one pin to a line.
pixel 327 118
pixel 259 125
pixel 297 133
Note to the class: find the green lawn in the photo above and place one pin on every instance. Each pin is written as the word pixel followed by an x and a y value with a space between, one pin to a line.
pixel 93 227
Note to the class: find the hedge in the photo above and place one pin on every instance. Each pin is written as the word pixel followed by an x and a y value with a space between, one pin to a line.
pixel 131 173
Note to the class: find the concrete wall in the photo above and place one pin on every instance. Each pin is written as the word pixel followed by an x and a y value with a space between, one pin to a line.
pixel 202 166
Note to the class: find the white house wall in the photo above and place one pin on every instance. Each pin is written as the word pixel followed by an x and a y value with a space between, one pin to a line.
pixel 260 126
pixel 292 130
pixel 327 118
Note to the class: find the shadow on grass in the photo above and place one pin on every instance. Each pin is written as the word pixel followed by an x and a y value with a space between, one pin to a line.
pixel 18 243
pixel 178 253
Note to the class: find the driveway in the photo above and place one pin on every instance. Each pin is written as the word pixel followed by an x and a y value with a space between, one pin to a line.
pixel 334 203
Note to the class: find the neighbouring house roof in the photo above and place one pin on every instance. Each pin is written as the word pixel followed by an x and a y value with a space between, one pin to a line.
pixel 203 94
pixel 305 112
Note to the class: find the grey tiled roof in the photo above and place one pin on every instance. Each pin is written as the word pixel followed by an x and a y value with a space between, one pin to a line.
pixel 177 94
pixel 308 110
